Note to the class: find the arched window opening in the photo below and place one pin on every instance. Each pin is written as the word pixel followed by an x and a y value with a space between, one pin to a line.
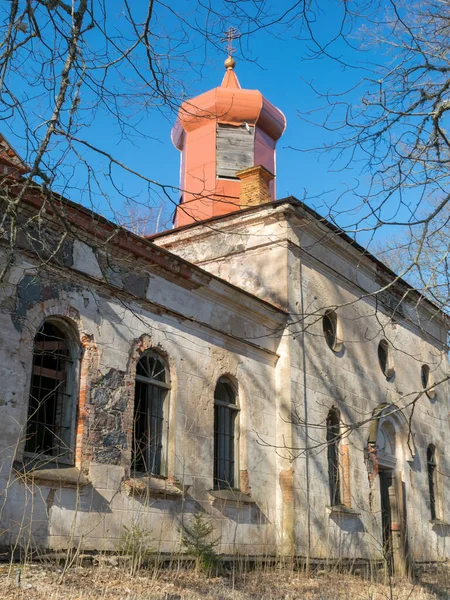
pixel 333 441
pixel 432 480
pixel 329 324
pixel 385 359
pixel 151 390
pixel 51 408
pixel 424 375
pixel 427 380
pixel 225 439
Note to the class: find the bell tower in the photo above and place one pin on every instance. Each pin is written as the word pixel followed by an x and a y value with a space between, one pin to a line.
pixel 227 138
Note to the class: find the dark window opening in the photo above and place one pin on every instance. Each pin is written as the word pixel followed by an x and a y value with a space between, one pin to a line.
pixel 333 439
pixel 383 356
pixel 225 414
pixel 151 389
pixel 329 324
pixel 425 375
pixel 49 425
pixel 432 476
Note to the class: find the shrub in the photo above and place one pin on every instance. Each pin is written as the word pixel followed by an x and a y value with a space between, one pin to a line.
pixel 196 540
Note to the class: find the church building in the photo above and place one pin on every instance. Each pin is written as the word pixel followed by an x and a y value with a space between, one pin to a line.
pixel 253 364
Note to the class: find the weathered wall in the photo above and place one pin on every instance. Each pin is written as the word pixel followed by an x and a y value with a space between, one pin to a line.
pixel 205 329
pixel 352 381
pixel 288 379
pixel 307 269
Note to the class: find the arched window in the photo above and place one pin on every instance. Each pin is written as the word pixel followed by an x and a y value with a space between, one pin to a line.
pixel 385 359
pixel 330 326
pixel 149 431
pixel 426 378
pixel 333 441
pixel 432 480
pixel 225 439
pixel 52 403
pixel 425 375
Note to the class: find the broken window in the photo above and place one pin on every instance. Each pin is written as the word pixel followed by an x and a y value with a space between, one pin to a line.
pixel 51 408
pixel 333 441
pixel 225 418
pixel 150 397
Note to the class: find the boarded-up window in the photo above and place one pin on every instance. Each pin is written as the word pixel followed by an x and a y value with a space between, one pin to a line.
pixel 234 149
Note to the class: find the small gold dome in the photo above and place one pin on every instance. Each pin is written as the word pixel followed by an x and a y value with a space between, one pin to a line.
pixel 230 63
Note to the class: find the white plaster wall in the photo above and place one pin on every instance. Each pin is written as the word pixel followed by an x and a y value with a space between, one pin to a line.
pixel 287 265
pixel 95 516
pixel 291 262
pixel 353 382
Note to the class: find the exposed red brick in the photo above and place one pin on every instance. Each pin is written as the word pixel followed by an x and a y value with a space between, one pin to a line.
pixel 346 492
pixel 287 485
pixel 244 482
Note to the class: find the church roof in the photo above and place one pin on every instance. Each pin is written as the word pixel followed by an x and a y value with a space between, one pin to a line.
pixel 229 104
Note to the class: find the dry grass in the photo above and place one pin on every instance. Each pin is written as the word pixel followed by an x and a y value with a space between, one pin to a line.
pixel 40 582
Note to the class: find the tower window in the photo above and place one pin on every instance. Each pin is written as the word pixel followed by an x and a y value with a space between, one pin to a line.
pixel 51 408
pixel 150 396
pixel 235 149
pixel 225 416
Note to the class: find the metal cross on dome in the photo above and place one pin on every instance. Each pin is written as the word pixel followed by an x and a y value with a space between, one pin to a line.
pixel 231 34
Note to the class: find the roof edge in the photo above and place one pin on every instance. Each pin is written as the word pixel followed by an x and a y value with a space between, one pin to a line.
pixel 293 201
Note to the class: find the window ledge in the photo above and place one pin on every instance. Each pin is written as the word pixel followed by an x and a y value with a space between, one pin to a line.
pixel 233 495
pixel 341 509
pixel 439 523
pixel 55 476
pixel 151 485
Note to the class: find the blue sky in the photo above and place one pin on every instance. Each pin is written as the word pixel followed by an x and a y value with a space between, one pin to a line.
pixel 274 60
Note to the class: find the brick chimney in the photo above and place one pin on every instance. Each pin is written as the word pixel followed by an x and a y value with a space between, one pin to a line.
pixel 254 186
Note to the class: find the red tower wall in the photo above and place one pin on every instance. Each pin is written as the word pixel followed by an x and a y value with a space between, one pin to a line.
pixel 202 194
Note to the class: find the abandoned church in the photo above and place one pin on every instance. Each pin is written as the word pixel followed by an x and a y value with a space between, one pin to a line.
pixel 253 363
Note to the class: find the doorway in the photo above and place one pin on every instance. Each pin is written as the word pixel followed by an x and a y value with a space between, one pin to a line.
pixel 387 443
pixel 393 521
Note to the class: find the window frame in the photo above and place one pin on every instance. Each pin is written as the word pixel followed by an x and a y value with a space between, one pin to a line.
pixel 336 343
pixel 387 368
pixel 72 383
pixel 234 409
pixel 427 381
pixel 335 479
pixel 161 385
pixel 434 498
